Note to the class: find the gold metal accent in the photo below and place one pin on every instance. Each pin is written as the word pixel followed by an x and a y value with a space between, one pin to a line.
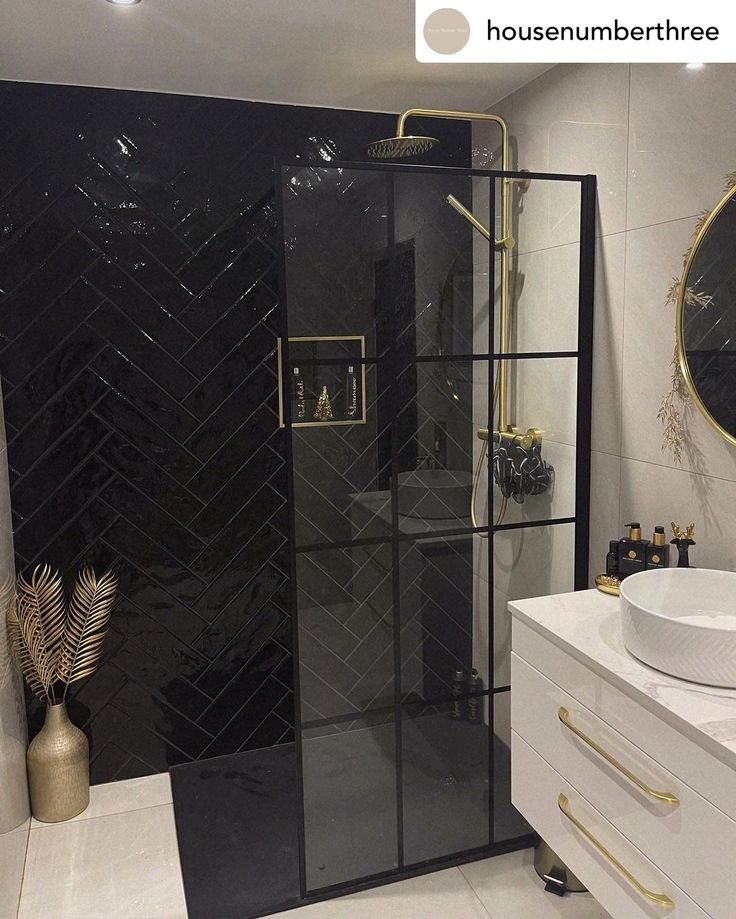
pixel 58 768
pixel 507 242
pixel 680 319
pixel 659 899
pixel 280 371
pixel 656 559
pixel 608 584
pixel 502 386
pixel 666 797
pixel 631 553
pixel 634 533
pixel 403 144
pixel 679 534
pixel 658 539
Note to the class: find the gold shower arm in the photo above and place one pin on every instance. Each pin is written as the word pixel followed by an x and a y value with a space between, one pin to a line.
pixel 507 243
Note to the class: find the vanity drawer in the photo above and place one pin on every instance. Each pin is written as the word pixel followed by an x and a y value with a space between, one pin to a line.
pixel 535 791
pixel 690 760
pixel 667 832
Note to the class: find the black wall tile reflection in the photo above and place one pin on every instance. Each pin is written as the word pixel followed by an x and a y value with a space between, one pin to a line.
pixel 139 307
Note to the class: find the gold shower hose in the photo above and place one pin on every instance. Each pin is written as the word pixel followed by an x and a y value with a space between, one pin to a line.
pixel 483 435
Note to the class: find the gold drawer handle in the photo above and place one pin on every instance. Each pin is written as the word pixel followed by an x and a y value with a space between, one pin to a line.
pixel 666 796
pixel 661 899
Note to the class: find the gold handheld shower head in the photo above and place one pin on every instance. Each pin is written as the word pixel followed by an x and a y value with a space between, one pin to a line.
pixel 391 147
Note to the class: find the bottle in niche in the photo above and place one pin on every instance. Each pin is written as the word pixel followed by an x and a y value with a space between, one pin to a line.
pixel 351 393
pixel 457 690
pixel 475 684
pixel 658 552
pixel 301 405
pixel 632 552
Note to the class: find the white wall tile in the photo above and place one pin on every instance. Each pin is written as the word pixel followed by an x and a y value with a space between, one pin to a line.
pixel 608 330
pixel 605 494
pixel 660 494
pixel 572 119
pixel 545 286
pixel 682 140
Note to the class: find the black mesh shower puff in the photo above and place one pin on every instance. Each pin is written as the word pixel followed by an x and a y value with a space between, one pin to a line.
pixel 519 470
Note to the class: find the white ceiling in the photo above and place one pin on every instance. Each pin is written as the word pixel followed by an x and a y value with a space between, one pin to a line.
pixel 337 53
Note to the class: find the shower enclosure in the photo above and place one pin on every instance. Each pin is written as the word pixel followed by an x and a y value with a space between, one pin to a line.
pixel 389 364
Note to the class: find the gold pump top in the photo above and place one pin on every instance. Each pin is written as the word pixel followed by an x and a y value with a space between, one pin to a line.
pixel 658 539
pixel 634 530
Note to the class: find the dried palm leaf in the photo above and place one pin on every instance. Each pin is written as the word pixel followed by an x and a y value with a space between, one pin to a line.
pixel 7 597
pixel 23 654
pixel 41 613
pixel 86 626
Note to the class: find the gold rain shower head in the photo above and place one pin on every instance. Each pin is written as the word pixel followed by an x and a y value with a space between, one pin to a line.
pixel 392 147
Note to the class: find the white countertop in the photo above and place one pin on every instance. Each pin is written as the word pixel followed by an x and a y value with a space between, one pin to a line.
pixel 587 626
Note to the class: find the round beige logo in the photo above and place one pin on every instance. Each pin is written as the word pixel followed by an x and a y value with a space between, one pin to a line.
pixel 446 31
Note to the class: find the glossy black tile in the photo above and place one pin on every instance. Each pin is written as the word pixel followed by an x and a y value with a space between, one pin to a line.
pixel 268 546
pixel 42 336
pixel 50 380
pixel 138 323
pixel 147 313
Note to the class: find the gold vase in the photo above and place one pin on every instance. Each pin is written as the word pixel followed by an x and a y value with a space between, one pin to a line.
pixel 58 768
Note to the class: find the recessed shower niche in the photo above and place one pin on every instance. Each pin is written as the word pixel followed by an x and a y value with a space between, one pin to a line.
pixel 323 388
pixel 401 562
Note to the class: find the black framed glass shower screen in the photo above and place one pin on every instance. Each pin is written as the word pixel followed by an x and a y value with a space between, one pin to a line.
pixel 401 646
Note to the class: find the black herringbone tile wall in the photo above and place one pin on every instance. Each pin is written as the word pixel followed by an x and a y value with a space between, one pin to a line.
pixel 139 308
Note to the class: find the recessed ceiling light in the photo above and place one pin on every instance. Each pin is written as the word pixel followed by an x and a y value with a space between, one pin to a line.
pixel 124 2
pixel 695 66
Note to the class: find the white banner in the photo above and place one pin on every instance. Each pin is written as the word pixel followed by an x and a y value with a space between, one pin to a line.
pixel 469 31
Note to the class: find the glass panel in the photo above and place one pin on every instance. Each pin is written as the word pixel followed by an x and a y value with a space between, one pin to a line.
pixel 544 299
pixel 345 614
pixel 544 213
pixel 543 266
pixel 342 473
pixel 445 778
pixel 528 562
pixel 536 472
pixel 349 774
pixel 335 240
pixel 438 624
pixel 441 254
pixel 436 429
pixel 507 821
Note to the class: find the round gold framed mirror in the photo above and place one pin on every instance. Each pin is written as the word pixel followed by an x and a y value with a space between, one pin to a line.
pixel 706 319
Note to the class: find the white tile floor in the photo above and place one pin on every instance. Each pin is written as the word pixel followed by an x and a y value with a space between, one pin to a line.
pixel 119 860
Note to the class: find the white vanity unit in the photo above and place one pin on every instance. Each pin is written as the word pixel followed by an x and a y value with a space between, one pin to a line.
pixel 628 774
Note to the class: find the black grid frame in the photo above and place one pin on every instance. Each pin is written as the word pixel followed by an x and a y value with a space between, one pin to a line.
pixel 584 356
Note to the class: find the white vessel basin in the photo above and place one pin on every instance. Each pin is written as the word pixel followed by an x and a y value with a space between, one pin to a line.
pixel 682 621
